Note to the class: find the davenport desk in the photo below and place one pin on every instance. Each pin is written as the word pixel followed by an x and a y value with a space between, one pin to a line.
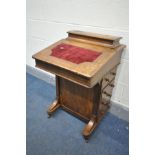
pixel 85 67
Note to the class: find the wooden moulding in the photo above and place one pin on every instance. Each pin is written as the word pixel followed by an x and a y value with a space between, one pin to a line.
pixel 104 40
pixel 81 80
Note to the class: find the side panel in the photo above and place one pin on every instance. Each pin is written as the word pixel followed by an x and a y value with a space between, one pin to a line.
pixel 77 99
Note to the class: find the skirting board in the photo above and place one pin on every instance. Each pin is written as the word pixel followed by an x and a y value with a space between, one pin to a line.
pixel 116 109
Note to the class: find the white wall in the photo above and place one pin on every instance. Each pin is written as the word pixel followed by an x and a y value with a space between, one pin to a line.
pixel 48 21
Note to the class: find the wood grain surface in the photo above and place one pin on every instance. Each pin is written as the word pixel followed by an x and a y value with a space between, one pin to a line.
pixel 84 90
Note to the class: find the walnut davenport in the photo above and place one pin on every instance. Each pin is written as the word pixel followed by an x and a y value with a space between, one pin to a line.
pixel 84 89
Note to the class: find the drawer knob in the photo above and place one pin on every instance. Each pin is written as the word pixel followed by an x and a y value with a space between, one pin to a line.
pixel 107 94
pixel 106 79
pixel 111 85
pixel 113 73
pixel 104 103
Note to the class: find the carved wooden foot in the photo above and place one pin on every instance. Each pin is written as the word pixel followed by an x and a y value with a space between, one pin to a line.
pixel 52 108
pixel 88 129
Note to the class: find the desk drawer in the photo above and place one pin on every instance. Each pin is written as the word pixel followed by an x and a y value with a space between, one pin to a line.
pixel 108 78
pixel 107 92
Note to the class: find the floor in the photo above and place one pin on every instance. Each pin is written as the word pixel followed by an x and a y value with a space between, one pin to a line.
pixel 61 134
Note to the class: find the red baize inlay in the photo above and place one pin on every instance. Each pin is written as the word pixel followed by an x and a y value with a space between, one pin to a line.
pixel 74 54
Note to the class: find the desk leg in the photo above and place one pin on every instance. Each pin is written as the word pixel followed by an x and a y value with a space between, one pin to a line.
pixel 94 121
pixel 89 128
pixel 56 104
pixel 52 108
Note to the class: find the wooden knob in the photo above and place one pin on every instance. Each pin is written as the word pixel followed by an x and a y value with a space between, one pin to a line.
pixel 104 103
pixel 113 73
pixel 111 85
pixel 107 94
pixel 106 79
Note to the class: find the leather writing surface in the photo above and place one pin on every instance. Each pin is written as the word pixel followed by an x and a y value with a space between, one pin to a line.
pixel 74 54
